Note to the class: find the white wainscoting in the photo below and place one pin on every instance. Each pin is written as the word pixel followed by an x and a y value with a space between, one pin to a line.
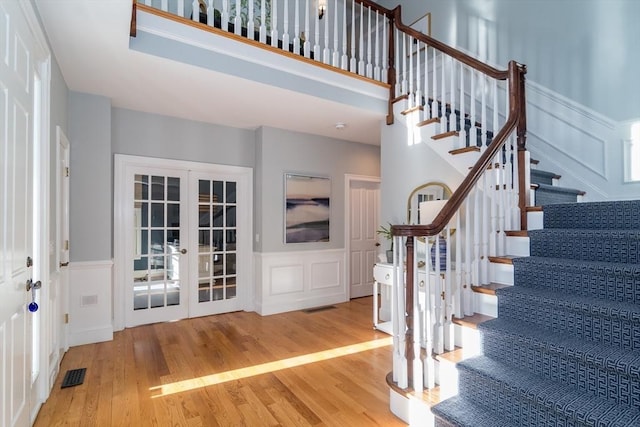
pixel 90 302
pixel 287 281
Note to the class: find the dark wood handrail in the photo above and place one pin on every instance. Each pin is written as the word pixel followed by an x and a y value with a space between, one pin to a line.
pixel 516 73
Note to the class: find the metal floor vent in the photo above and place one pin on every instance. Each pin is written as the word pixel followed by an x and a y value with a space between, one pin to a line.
pixel 73 377
pixel 317 309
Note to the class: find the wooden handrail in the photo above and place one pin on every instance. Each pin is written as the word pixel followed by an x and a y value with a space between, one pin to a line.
pixel 515 73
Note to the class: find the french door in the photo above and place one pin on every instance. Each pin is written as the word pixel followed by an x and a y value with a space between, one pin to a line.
pixel 185 239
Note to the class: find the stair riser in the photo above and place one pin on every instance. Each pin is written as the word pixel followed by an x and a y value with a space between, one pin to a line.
pixel 468 339
pixel 597 380
pixel 517 246
pixel 535 220
pixel 549 197
pixel 501 273
pixel 603 283
pixel 485 304
pixel 592 246
pixel 559 317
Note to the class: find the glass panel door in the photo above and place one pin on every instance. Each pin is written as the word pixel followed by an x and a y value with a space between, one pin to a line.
pixel 217 208
pixel 158 247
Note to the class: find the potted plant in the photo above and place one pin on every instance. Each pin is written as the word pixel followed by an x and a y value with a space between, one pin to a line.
pixel 386 232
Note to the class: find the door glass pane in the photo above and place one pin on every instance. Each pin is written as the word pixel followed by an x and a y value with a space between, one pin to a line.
pixel 217 270
pixel 156 264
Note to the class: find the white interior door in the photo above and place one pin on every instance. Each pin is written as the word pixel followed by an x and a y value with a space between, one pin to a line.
pixel 17 95
pixel 364 208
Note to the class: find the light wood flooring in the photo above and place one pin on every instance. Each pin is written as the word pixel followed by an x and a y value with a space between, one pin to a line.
pixel 325 368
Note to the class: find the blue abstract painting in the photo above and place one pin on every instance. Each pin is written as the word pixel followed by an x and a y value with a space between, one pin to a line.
pixel 307 208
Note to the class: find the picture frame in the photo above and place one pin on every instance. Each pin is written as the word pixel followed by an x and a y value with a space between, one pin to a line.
pixel 307 208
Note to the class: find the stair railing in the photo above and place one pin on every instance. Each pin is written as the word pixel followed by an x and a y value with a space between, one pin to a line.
pixel 436 262
pixel 349 35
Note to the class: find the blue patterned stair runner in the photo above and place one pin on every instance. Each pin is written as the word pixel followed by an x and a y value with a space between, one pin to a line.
pixel 565 349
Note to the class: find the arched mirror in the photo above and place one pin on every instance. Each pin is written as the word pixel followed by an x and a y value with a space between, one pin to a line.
pixel 425 193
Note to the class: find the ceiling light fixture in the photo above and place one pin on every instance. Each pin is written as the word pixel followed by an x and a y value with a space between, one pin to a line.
pixel 340 125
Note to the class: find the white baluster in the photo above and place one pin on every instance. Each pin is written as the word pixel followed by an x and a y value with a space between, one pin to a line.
pixel 404 87
pixel 438 342
pixel 457 287
pixel 263 24
pixel 211 14
pixel 164 5
pixel 403 378
pixel 444 123
pixel 180 8
pixel 274 23
pixel 483 113
pixel 385 48
pixel 467 296
pixel 369 67
pixel 306 45
pixel 502 208
pixel 434 86
pixel 224 16
pixel 148 2
pixel 411 100
pixel 361 43
pixel 285 29
pixel 296 28
pixel 316 46
pixel 326 52
pixel 515 221
pixel 344 63
pixel 508 178
pixel 472 108
pixel 453 116
pixel 493 191
pixel 195 9
pixel 427 95
pixel 417 362
pixel 376 68
pixel 397 63
pixel 336 40
pixel 486 212
pixel 428 321
pixel 477 239
pixel 418 96
pixel 462 139
pixel 353 63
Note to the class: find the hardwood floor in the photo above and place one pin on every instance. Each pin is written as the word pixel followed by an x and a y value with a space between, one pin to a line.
pixel 324 368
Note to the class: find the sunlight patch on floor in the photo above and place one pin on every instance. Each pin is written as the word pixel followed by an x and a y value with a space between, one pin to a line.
pixel 250 371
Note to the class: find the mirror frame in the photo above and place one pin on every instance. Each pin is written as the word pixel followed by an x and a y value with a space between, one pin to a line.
pixel 413 202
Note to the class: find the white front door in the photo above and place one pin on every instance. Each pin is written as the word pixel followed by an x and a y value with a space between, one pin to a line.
pixel 183 238
pixel 364 207
pixel 21 235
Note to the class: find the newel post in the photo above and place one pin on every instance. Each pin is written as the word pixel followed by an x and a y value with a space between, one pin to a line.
pixel 391 73
pixel 409 310
pixel 524 167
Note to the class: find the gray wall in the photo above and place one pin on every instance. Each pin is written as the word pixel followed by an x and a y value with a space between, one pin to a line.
pixel 282 151
pixel 152 135
pixel 90 210
pixel 585 50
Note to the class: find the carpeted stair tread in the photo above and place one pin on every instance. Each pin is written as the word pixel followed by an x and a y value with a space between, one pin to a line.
pixel 616 215
pixel 589 245
pixel 598 279
pixel 611 358
pixel 547 194
pixel 460 412
pixel 524 396
pixel 626 311
pixel 539 176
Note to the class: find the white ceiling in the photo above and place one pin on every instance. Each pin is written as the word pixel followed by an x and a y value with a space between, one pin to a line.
pixel 90 40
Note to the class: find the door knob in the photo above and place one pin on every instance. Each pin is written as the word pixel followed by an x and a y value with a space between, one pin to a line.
pixel 183 251
pixel 33 287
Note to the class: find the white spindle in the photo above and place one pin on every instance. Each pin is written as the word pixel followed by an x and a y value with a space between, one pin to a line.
pixel 285 29
pixel 427 95
pixel 457 293
pixel 467 301
pixel 417 362
pixel 483 113
pixel 462 139
pixel 449 336
pixel 306 45
pixel 453 116
pixel 181 8
pixel 404 87
pixel 428 319
pixel 484 251
pixel 336 39
pixel 361 43
pixel 515 222
pixel 376 68
pixel 211 14
pixel 224 16
pixel 434 85
pixel 344 63
pixel 477 242
pixel 274 23
pixel 494 194
pixel 411 100
pixel 385 47
pixel 438 343
pixel 263 26
pixel 353 63
pixel 418 97
pixel 164 5
pixel 148 2
pixel 444 122
pixel 397 63
pixel 195 9
pixel 399 284
pixel 472 108
pixel 369 67
pixel 296 28
pixel 326 52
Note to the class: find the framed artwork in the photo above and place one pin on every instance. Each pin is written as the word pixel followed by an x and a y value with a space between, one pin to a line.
pixel 307 208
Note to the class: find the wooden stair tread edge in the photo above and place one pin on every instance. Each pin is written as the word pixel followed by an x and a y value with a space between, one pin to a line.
pixel 454 356
pixel 534 161
pixel 428 122
pixel 507 259
pixel 472 321
pixel 533 208
pixel 411 110
pixel 399 98
pixel 517 233
pixel 489 288
pixel 445 135
pixel 465 150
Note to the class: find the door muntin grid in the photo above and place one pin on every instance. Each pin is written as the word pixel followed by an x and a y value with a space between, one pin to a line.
pixel 217 237
pixel 156 261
